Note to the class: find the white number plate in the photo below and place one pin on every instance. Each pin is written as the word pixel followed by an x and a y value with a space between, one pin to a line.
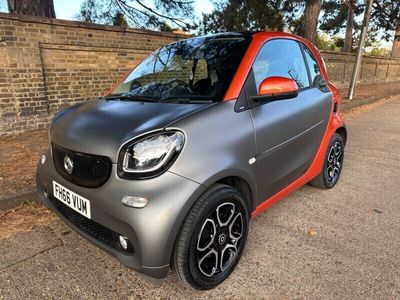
pixel 73 200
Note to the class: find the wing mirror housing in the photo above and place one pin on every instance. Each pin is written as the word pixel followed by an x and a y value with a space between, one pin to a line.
pixel 275 88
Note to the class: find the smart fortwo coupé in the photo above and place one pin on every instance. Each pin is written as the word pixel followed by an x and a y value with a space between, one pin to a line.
pixel 169 166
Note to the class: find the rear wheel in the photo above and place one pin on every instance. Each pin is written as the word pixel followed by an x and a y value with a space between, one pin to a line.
pixel 333 164
pixel 212 238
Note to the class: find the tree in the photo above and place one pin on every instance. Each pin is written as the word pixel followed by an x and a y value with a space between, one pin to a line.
pixel 40 8
pixel 396 42
pixel 120 20
pixel 138 13
pixel 386 17
pixel 165 27
pixel 253 15
pixel 309 21
pixel 247 15
pixel 384 21
pixel 339 15
pixel 348 38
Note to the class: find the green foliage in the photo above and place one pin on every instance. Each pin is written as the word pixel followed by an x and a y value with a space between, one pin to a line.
pixel 379 52
pixel 165 27
pixel 385 16
pixel 335 14
pixel 120 20
pixel 338 41
pixel 250 15
pixel 323 42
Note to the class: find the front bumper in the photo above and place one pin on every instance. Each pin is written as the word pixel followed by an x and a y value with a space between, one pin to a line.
pixel 152 230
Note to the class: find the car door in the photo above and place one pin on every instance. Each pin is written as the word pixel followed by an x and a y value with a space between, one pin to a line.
pixel 288 132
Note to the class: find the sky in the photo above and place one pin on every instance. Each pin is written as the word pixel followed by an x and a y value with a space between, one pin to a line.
pixel 66 9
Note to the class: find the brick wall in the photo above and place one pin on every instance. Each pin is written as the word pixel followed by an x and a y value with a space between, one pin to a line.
pixel 48 64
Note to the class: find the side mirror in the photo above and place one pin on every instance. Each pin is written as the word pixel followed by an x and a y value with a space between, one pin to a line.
pixel 276 88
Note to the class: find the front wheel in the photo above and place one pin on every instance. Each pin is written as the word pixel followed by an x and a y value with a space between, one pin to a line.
pixel 333 164
pixel 212 238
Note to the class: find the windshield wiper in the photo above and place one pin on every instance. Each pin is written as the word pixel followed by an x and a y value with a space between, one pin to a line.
pixel 196 100
pixel 187 100
pixel 131 97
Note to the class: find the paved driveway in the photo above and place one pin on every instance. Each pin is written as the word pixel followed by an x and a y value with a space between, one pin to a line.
pixel 341 243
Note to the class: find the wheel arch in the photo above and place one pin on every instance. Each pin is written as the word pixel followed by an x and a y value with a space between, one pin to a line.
pixel 342 131
pixel 239 182
pixel 243 187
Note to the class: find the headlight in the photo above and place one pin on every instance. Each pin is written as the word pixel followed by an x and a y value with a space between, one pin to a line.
pixel 151 155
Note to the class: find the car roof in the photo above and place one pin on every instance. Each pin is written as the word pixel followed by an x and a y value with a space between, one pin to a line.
pixel 257 34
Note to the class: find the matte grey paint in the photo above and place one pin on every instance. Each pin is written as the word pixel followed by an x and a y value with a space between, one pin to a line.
pixel 152 229
pixel 219 143
pixel 283 136
pixel 86 127
pixel 288 134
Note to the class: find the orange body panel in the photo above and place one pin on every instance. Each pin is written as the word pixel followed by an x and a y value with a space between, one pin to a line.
pixel 277 85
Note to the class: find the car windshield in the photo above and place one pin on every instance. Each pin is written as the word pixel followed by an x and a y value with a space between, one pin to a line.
pixel 196 69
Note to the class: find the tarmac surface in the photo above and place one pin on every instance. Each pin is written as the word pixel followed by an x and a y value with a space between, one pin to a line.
pixel 341 243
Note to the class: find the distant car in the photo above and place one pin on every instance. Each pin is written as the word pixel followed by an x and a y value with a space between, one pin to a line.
pixel 169 166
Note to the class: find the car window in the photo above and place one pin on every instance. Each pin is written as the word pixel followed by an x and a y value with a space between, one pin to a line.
pixel 312 64
pixel 199 68
pixel 281 58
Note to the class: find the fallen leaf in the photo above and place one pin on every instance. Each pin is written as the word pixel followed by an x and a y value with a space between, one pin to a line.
pixel 312 232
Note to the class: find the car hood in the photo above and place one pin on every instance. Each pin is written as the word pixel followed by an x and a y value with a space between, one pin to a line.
pixel 102 126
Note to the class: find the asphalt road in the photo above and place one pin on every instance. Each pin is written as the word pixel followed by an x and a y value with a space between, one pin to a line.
pixel 341 243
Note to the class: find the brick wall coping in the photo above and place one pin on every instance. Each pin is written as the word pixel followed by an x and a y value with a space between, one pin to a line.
pixel 86 25
pixel 92 48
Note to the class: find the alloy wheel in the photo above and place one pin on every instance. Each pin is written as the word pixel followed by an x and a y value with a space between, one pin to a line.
pixel 334 161
pixel 219 240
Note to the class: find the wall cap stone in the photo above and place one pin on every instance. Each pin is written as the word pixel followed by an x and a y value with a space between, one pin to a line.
pixel 86 25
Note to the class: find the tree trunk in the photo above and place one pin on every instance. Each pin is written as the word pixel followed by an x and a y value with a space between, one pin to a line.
pixel 396 42
pixel 348 39
pixel 309 21
pixel 40 8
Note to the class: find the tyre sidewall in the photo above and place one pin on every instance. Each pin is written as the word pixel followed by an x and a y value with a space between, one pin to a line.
pixel 335 138
pixel 225 194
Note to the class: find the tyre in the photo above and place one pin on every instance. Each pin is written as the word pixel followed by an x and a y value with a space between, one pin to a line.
pixel 333 164
pixel 212 238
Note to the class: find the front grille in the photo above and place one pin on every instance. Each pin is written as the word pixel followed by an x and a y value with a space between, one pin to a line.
pixel 90 227
pixel 88 170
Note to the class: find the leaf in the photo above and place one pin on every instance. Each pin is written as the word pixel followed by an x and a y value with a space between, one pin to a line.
pixel 312 232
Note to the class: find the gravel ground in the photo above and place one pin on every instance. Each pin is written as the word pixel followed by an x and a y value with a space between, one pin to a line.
pixel 343 243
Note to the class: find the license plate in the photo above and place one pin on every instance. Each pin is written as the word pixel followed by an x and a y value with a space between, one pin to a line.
pixel 73 200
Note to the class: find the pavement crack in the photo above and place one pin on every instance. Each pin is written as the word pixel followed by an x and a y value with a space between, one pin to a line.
pixel 32 256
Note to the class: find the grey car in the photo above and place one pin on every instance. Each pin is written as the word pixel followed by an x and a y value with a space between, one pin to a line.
pixel 167 168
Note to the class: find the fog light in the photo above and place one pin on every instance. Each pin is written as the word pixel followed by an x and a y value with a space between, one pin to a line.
pixel 134 201
pixel 123 241
pixel 43 159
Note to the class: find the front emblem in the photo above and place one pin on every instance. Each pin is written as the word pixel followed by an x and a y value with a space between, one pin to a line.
pixel 68 164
